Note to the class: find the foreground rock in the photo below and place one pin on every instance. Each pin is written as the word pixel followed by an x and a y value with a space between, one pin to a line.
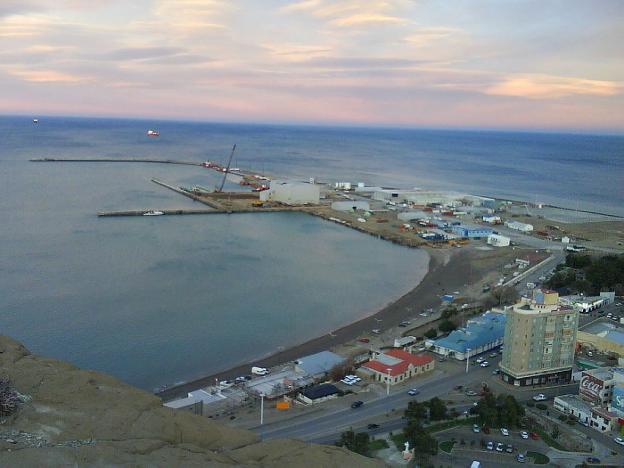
pixel 73 417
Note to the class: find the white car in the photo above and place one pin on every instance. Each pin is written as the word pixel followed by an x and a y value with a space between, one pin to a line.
pixel 499 447
pixel 475 429
pixel 480 360
pixel 524 434
pixel 619 440
pixel 504 431
pixel 540 397
pixel 485 364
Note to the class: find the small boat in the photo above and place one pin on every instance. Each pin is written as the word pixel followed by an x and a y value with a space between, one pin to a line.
pixel 35 121
pixel 153 213
pixel 153 133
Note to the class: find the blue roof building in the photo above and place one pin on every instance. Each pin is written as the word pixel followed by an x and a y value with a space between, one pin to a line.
pixel 471 232
pixel 480 334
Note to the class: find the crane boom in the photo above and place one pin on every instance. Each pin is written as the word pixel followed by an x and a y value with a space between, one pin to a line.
pixel 227 169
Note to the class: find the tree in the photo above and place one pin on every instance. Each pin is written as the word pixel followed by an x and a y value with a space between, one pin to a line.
pixel 447 326
pixel 419 439
pixel 555 432
pixel 431 333
pixel 355 441
pixel 340 370
pixel 449 312
pixel 502 296
pixel 437 409
pixel 416 411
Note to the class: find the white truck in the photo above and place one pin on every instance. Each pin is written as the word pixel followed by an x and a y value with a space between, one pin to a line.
pixel 259 370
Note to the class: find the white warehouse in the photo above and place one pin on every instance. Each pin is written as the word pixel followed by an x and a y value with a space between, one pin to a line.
pixel 291 193
pixel 498 241
pixel 518 226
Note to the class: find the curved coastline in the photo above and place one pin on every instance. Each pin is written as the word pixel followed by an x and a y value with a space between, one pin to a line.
pixel 449 267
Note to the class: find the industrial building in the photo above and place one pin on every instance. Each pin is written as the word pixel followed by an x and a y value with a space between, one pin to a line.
pixel 540 337
pixel 518 226
pixel 497 240
pixel 195 402
pixel 396 366
pixel 291 193
pixel 480 334
pixel 470 232
pixel 603 336
pixel 318 366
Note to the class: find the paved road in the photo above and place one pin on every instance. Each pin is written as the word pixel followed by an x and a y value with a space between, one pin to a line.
pixel 327 424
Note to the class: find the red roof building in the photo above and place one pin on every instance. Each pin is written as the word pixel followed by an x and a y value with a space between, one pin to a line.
pixel 399 365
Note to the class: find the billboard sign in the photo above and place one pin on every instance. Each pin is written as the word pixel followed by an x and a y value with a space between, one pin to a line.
pixel 591 387
pixel 617 403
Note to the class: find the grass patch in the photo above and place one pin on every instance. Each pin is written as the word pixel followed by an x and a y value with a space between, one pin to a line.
pixel 449 424
pixel 552 442
pixel 377 444
pixel 538 458
pixel 447 446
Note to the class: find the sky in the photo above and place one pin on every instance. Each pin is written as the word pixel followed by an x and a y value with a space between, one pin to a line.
pixel 510 64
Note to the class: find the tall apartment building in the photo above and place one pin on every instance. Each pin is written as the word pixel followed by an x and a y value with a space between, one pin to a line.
pixel 540 337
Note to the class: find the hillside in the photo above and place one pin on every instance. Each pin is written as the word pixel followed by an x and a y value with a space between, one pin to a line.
pixel 77 417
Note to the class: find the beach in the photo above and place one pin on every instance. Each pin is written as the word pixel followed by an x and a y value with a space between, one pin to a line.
pixel 449 270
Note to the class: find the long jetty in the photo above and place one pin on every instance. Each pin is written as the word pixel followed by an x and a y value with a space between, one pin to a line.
pixel 106 214
pixel 118 160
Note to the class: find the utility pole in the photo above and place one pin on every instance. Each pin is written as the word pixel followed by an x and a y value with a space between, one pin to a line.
pixel 467 358
pixel 388 382
pixel 261 409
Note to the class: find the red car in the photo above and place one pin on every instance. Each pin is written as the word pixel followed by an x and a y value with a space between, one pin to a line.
pixel 485 429
pixel 534 435
pixel 364 340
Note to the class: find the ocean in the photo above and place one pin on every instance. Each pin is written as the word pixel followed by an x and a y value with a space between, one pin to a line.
pixel 161 300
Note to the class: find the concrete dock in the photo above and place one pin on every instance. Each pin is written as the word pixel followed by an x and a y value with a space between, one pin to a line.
pixel 116 160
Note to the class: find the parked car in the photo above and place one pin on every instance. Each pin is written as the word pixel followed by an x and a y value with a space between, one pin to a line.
pixel 521 458
pixel 499 447
pixel 485 429
pixel 471 393
pixel 493 355
pixel 504 431
pixel 524 434
pixel 363 340
pixel 404 323
pixel 540 397
pixel 413 392
pixel 485 364
pixel 480 360
pixel 496 372
pixel 356 404
pixel 509 448
pixel 476 429
pixel 372 426
pixel 534 435
pixel 376 331
pixel 593 460
pixel 619 440
pixel 490 445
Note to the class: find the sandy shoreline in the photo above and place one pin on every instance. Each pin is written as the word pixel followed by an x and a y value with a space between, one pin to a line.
pixel 451 272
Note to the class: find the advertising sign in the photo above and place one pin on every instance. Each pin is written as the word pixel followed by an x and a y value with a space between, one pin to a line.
pixel 618 399
pixel 591 387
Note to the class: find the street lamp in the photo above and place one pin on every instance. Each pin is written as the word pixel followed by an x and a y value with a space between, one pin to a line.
pixel 467 358
pixel 261 409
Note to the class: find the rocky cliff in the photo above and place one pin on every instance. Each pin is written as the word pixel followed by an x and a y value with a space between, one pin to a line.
pixel 74 417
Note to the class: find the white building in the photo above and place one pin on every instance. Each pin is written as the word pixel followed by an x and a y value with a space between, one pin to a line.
pixel 573 405
pixel 291 193
pixel 498 241
pixel 343 185
pixel 518 226
pixel 196 401
pixel 491 219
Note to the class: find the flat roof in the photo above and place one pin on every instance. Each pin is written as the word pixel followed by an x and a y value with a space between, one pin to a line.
pixel 576 402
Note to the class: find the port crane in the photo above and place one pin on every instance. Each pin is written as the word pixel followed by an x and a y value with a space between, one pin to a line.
pixel 227 169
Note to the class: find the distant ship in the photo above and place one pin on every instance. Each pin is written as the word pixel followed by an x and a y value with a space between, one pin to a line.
pixel 153 133
pixel 35 121
pixel 153 213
